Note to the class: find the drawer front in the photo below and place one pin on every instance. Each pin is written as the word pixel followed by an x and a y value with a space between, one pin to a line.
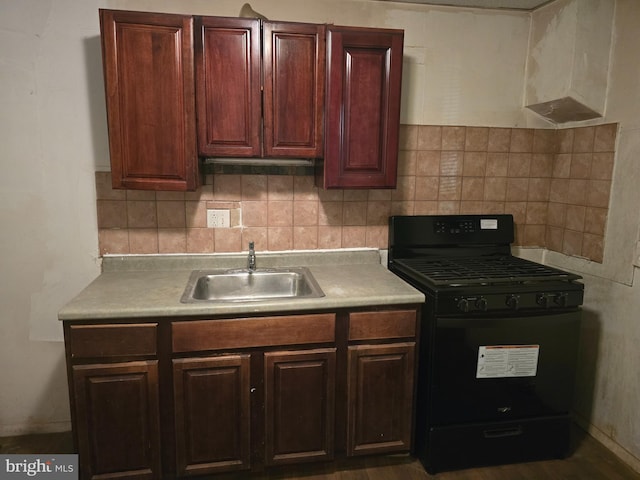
pixel 109 340
pixel 382 324
pixel 190 336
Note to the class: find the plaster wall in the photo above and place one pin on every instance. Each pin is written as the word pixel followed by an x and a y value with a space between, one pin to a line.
pixel 569 52
pixel 608 390
pixel 462 67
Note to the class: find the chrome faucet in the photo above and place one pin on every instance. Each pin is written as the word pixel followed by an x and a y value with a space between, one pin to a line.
pixel 251 259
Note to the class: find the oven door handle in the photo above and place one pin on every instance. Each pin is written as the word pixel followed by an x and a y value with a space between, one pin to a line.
pixel 503 432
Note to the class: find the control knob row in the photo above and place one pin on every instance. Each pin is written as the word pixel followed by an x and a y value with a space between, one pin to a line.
pixel 480 303
pixel 544 299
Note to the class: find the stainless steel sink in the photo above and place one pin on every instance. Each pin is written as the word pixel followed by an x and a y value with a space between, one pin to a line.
pixel 250 285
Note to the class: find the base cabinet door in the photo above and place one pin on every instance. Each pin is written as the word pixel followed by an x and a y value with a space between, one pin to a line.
pixel 380 398
pixel 117 420
pixel 299 405
pixel 212 414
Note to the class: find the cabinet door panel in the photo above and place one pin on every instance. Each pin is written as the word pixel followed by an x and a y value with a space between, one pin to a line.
pixel 149 82
pixel 380 398
pixel 212 414
pixel 228 86
pixel 294 67
pixel 117 420
pixel 299 405
pixel 364 70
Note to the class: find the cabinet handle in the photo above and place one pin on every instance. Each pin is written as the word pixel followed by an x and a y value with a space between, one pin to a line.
pixel 253 389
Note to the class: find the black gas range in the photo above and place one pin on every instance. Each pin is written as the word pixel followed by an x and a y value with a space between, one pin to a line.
pixel 499 340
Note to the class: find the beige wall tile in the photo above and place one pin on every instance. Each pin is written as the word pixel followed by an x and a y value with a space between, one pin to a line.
pixel 330 236
pixel 113 241
pixel 581 165
pixel 572 242
pixel 476 139
pixel 453 138
pixel 143 240
pixel 228 240
pixel 255 214
pixel 354 236
pixel 583 139
pixel 280 238
pixel 499 140
pixel 305 213
pixel 142 214
pixel 280 213
pixel 354 213
pixel 258 235
pixel 475 164
pixel 519 165
pixel 171 214
pixel 605 138
pixel 200 240
pixel 429 137
pixel 472 188
pixel 305 237
pixel 551 181
pixel 172 240
pixel 497 164
pixel 112 214
pixel 428 162
pixel 521 140
pixel 427 188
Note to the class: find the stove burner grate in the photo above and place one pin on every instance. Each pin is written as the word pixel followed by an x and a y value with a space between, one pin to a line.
pixel 452 271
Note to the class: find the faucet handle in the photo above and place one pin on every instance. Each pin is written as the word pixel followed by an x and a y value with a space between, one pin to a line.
pixel 251 246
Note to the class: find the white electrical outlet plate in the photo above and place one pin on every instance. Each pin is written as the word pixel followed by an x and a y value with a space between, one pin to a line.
pixel 218 218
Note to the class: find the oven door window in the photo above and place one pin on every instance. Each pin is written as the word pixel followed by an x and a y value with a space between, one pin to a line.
pixel 488 369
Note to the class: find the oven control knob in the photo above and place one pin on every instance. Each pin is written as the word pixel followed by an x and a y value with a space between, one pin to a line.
pixel 542 299
pixel 561 299
pixel 513 302
pixel 463 305
pixel 481 304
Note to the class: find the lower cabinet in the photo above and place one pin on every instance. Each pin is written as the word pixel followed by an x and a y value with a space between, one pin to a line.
pixel 299 405
pixel 117 420
pixel 212 414
pixel 380 398
pixel 184 397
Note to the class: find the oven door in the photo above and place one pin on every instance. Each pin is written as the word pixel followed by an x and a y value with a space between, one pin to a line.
pixel 502 368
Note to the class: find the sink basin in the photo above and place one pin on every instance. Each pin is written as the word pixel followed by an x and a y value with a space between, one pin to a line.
pixel 244 285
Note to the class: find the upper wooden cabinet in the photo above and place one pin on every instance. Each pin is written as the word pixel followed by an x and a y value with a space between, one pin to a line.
pixel 150 97
pixel 260 88
pixel 364 75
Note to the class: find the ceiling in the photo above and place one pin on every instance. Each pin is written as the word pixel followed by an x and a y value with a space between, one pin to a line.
pixel 526 5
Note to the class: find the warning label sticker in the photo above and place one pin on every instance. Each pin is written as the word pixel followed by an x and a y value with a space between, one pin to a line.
pixel 497 361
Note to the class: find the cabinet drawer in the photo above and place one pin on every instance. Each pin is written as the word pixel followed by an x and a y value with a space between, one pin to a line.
pixel 87 341
pixel 383 324
pixel 252 332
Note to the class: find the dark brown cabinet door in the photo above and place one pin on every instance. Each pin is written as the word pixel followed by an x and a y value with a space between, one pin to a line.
pixel 117 420
pixel 299 405
pixel 228 86
pixel 150 97
pixel 364 75
pixel 380 398
pixel 294 67
pixel 212 414
pixel 260 88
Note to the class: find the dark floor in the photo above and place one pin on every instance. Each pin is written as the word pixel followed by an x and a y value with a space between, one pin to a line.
pixel 589 461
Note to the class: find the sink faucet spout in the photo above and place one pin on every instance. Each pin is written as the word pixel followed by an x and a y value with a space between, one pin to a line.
pixel 251 259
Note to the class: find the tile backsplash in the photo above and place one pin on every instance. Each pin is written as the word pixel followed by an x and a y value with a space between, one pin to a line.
pixel 556 183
